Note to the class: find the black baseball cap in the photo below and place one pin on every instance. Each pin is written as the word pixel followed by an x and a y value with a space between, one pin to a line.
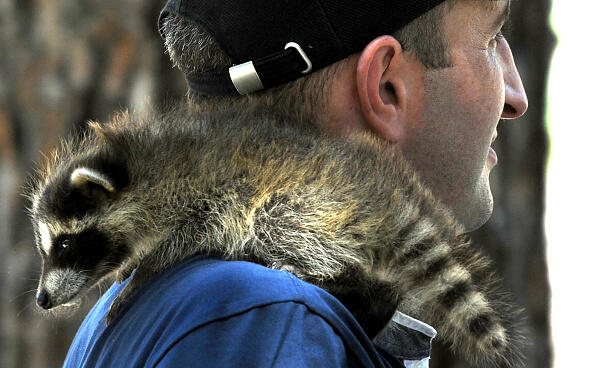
pixel 272 42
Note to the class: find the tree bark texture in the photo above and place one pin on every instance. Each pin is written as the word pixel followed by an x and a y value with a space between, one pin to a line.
pixel 64 62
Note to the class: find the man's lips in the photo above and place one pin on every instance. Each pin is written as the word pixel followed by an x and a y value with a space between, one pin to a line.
pixel 492 154
pixel 494 137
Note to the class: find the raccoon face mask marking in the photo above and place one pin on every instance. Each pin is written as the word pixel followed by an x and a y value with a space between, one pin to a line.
pixel 75 263
pixel 45 238
pixel 77 247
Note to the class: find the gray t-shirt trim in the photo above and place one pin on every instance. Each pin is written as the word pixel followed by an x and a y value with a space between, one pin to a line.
pixel 406 340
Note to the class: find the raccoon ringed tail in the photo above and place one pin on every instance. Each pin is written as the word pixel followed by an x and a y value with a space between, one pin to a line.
pixel 455 292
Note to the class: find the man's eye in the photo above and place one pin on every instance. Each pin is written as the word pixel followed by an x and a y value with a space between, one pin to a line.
pixel 495 40
pixel 506 29
pixel 503 32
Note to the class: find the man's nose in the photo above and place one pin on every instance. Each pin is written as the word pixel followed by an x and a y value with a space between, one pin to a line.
pixel 516 102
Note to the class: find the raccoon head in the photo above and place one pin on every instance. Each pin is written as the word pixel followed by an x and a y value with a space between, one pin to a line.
pixel 76 235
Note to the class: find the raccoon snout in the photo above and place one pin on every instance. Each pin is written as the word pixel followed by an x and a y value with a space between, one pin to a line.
pixel 43 300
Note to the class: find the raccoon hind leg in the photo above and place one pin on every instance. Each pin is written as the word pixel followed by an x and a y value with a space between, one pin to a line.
pixel 371 301
pixel 374 310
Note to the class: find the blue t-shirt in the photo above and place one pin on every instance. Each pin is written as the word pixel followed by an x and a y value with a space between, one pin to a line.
pixel 207 312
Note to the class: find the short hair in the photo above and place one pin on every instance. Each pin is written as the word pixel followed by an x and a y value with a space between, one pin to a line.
pixel 193 50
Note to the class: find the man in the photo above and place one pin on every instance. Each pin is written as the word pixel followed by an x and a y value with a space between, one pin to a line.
pixel 433 78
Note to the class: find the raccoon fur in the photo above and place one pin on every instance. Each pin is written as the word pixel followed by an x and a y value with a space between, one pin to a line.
pixel 146 192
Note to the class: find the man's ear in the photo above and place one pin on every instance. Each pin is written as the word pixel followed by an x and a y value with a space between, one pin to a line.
pixel 381 88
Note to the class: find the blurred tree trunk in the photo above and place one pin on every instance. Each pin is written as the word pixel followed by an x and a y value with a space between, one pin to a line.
pixel 514 236
pixel 64 62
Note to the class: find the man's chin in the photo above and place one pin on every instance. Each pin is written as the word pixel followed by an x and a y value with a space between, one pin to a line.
pixel 480 210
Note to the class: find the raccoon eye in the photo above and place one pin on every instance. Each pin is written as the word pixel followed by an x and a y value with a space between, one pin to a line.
pixel 65 243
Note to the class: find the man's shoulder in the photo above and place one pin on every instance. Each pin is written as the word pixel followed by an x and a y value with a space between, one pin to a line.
pixel 202 289
pixel 214 304
pixel 224 282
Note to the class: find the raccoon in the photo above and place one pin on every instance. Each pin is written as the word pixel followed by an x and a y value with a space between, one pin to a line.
pixel 139 194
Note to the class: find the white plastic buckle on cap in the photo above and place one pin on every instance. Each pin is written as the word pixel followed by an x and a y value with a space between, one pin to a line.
pixel 245 78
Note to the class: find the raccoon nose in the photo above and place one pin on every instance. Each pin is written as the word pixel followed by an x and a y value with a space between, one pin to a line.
pixel 43 300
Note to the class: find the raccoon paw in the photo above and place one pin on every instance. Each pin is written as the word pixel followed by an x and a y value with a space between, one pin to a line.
pixel 119 303
pixel 125 271
pixel 114 311
pixel 140 277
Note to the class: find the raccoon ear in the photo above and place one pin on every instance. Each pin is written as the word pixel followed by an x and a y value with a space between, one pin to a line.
pixel 82 177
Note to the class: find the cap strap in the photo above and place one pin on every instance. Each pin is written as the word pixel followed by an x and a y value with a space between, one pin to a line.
pixel 266 72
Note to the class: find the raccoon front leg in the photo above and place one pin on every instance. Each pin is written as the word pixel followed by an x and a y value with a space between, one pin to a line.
pixel 126 270
pixel 167 253
pixel 140 277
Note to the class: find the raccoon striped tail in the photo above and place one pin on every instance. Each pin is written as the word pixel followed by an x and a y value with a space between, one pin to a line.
pixel 454 290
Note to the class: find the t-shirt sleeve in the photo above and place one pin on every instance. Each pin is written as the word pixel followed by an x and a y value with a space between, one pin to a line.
pixel 276 335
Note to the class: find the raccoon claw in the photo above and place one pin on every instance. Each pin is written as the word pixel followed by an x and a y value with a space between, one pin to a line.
pixel 126 294
pixel 123 273
pixel 116 308
pixel 119 303
pixel 114 311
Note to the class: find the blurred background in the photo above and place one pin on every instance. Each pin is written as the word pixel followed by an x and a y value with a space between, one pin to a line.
pixel 64 62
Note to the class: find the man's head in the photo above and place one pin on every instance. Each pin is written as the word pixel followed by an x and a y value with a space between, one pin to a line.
pixel 437 87
pixel 193 50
